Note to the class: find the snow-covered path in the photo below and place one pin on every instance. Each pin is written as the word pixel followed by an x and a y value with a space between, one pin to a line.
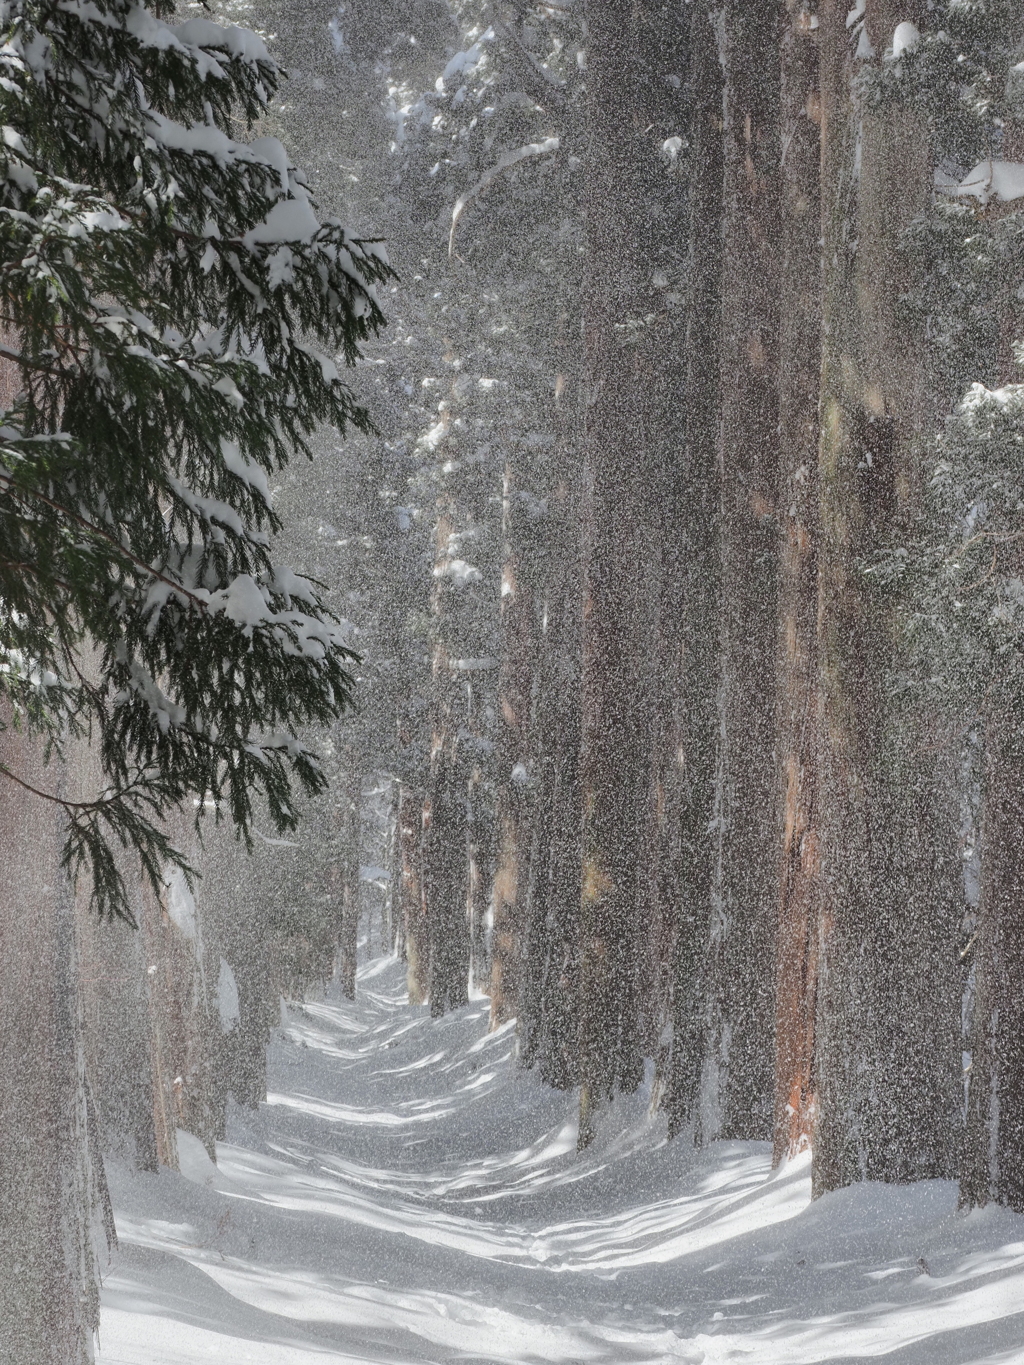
pixel 406 1195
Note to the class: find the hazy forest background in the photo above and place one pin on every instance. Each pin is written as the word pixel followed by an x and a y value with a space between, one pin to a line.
pixel 685 568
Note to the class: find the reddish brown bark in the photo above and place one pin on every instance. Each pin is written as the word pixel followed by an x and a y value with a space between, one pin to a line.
pixel 618 522
pixel 48 1288
pixel 799 380
pixel 696 509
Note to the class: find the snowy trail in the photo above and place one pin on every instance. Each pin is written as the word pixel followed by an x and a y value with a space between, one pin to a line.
pixel 406 1195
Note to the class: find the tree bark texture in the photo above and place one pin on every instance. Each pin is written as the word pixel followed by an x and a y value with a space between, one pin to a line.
pixel 888 1004
pixel 993 1167
pixel 741 1061
pixel 348 937
pixel 695 503
pixel 480 880
pixel 445 862
pixel 620 538
pixel 800 889
pixel 50 1188
pixel 185 1028
pixel 114 992
pixel 551 979
pixel 417 942
pixel 515 681
pixel 676 501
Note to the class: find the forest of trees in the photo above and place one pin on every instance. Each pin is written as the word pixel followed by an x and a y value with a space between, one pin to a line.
pixel 691 588
pixel 684 568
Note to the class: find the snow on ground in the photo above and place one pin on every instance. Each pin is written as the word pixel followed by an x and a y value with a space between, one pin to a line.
pixel 407 1195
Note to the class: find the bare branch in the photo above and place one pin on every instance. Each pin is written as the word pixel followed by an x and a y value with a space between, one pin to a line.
pixel 550 144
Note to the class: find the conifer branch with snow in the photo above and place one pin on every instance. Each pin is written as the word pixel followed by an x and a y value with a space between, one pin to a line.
pixel 162 283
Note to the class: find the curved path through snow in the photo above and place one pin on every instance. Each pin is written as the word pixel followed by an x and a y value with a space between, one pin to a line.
pixel 406 1195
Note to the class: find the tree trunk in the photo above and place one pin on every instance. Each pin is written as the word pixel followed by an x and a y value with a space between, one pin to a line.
pixel 348 937
pixel 392 928
pixel 617 524
pixel 49 1186
pixel 697 514
pixel 741 1062
pixel 799 383
pixel 184 1024
pixel 445 863
pixel 513 777
pixel 993 1169
pixel 113 976
pixel 993 1159
pixel 446 880
pixel 888 1018
pixel 677 501
pixel 548 1024
pixel 480 880
pixel 413 910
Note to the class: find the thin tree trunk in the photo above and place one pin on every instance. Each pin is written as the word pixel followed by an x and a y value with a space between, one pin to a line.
pixel 445 863
pixel 697 515
pixel 446 880
pixel 549 1019
pixel 480 880
pixel 993 1168
pixel 348 937
pixel 799 383
pixel 413 910
pixel 396 919
pixel 513 777
pixel 677 502
pixel 184 1024
pixel 743 933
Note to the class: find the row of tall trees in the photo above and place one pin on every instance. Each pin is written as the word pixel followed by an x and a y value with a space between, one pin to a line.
pixel 702 650
pixel 682 567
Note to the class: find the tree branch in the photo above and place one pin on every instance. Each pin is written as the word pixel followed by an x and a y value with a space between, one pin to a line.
pixel 93 529
pixel 545 88
pixel 549 144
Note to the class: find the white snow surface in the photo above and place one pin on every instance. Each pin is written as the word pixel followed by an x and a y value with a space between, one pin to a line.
pixel 181 904
pixel 905 38
pixel 999 180
pixel 408 1195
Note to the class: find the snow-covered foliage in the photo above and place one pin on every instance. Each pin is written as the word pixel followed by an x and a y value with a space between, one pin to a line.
pixel 959 567
pixel 963 580
pixel 163 283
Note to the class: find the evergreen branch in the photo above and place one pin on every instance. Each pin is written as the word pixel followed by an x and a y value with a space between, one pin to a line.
pixel 27 364
pixel 106 536
pixel 101 803
pixel 127 416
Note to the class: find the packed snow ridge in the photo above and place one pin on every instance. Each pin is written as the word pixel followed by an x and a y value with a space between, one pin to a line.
pixel 407 1194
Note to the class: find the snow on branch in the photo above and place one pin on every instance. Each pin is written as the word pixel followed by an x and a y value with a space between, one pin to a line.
pixel 549 144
